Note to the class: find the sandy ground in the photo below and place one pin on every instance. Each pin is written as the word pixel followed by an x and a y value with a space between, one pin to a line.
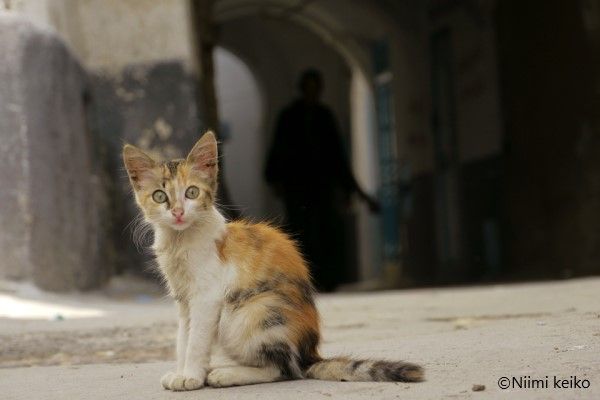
pixel 116 344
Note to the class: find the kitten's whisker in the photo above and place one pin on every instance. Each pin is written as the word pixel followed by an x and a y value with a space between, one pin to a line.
pixel 141 231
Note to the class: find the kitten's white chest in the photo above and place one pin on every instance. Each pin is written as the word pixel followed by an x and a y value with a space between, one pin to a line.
pixel 191 272
pixel 178 274
pixel 189 260
pixel 193 269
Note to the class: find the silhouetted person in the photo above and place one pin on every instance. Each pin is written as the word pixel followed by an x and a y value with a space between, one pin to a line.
pixel 308 169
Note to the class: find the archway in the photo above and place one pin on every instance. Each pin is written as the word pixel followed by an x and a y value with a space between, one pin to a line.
pixel 239 21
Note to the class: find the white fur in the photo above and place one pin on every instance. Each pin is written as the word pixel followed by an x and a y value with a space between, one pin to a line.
pixel 238 375
pixel 242 342
pixel 196 278
pixel 186 250
pixel 182 339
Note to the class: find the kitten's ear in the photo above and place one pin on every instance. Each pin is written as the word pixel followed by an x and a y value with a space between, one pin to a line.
pixel 204 157
pixel 137 163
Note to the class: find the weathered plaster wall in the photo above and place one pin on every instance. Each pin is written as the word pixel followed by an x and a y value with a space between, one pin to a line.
pixel 112 34
pixel 50 195
pixel 141 90
pixel 152 106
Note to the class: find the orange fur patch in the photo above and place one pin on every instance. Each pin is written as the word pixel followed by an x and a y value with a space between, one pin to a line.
pixel 262 253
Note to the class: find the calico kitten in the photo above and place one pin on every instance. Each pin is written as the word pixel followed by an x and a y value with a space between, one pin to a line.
pixel 239 285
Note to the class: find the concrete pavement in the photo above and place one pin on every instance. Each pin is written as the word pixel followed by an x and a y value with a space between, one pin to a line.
pixel 463 336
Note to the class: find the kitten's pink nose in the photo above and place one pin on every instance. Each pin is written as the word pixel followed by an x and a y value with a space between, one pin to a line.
pixel 177 212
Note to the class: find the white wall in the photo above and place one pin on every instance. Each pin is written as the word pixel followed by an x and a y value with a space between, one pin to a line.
pixel 366 166
pixel 242 113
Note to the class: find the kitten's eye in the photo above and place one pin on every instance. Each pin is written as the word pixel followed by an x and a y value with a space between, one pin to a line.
pixel 192 192
pixel 159 196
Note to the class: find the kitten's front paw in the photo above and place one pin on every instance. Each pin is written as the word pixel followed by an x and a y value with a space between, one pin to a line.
pixel 179 382
pixel 165 381
pixel 220 377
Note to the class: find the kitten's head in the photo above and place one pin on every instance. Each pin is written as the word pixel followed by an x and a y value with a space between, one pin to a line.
pixel 177 193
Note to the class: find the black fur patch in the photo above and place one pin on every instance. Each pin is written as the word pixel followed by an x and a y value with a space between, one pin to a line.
pixel 307 348
pixel 279 354
pixel 305 289
pixel 356 364
pixel 308 291
pixel 233 297
pixel 275 318
pixel 238 297
pixel 172 166
pixel 396 371
pixel 375 372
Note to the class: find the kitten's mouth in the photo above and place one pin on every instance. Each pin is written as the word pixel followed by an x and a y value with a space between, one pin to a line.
pixel 179 224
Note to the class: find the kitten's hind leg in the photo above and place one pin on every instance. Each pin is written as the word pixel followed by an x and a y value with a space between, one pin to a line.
pixel 240 375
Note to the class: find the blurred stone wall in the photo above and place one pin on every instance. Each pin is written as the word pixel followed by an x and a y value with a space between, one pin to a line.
pixel 134 64
pixel 51 197
pixel 152 106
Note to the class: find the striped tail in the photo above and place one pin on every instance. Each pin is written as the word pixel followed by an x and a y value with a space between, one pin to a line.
pixel 347 369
